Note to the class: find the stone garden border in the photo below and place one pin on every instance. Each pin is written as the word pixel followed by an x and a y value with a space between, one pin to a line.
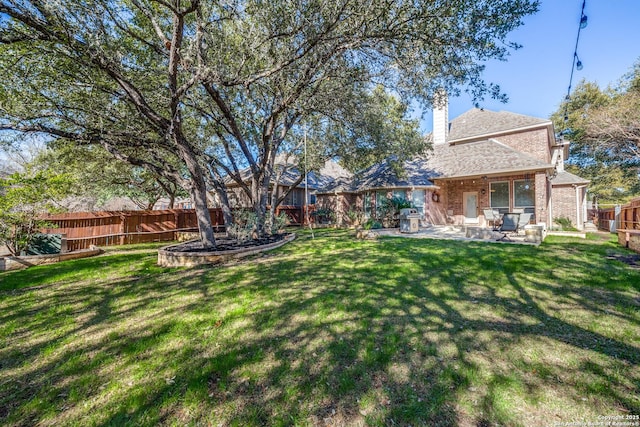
pixel 168 258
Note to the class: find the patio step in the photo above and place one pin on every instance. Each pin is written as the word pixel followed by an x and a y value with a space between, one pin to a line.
pixel 590 227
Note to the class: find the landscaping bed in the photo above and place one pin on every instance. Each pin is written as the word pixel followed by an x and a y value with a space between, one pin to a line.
pixel 224 244
pixel 189 254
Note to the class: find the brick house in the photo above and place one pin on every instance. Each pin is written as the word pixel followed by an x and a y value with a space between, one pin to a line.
pixel 481 159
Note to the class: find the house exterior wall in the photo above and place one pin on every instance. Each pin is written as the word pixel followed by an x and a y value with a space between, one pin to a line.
pixel 569 202
pixel 456 188
pixel 436 212
pixel 340 204
pixel 238 198
pixel 564 203
pixel 542 198
pixel 532 142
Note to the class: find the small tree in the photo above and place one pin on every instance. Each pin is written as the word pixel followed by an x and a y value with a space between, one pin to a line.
pixel 24 199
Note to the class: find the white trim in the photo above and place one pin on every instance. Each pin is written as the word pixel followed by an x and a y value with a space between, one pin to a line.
pixel 581 214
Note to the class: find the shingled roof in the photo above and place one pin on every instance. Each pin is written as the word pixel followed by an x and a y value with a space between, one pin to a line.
pixel 330 175
pixel 480 158
pixel 567 178
pixel 446 161
pixel 479 122
pixel 415 173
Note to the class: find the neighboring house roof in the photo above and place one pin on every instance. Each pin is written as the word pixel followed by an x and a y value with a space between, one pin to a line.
pixel 291 175
pixel 288 178
pixel 415 173
pixel 479 122
pixel 328 175
pixel 566 178
pixel 339 185
pixel 480 158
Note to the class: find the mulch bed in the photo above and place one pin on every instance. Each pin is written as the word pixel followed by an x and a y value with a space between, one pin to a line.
pixel 224 244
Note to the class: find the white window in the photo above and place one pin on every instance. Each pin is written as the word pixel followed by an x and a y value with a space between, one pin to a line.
pixel 524 195
pixel 381 200
pixel 367 205
pixel 417 198
pixel 500 196
pixel 400 194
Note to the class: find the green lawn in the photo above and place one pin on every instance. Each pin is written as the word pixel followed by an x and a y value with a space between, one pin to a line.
pixel 330 331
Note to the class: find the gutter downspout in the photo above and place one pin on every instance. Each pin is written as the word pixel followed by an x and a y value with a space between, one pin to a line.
pixel 580 216
pixel 549 203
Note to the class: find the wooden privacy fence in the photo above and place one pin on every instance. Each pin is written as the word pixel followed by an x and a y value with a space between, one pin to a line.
pixel 607 219
pixel 623 220
pixel 108 228
pixel 630 215
pixel 83 229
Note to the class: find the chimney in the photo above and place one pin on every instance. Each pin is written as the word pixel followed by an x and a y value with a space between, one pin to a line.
pixel 440 117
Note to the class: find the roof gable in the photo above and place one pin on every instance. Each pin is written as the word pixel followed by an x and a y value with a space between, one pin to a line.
pixel 484 123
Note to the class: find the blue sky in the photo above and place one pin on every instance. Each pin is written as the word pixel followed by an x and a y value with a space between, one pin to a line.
pixel 536 77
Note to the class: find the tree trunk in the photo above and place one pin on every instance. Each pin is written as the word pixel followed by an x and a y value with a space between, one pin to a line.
pixel 260 190
pixel 274 201
pixel 216 181
pixel 227 215
pixel 199 196
pixel 198 192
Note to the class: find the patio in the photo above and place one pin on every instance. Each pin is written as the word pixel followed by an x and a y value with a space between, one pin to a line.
pixel 450 232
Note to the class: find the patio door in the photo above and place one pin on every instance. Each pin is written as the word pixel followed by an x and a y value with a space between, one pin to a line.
pixel 470 207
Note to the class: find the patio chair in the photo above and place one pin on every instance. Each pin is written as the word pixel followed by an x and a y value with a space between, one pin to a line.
pixel 492 217
pixel 509 225
pixel 524 220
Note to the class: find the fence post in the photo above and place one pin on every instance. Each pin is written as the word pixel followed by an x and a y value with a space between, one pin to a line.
pixel 176 219
pixel 123 227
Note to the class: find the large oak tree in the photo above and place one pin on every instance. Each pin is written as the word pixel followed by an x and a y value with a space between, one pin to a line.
pixel 221 85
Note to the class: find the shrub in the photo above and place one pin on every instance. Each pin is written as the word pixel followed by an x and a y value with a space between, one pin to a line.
pixel 372 224
pixel 23 200
pixel 390 210
pixel 355 216
pixel 279 222
pixel 565 224
pixel 245 225
pixel 325 215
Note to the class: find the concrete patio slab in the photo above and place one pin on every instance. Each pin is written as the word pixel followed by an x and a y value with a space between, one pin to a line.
pixel 449 232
